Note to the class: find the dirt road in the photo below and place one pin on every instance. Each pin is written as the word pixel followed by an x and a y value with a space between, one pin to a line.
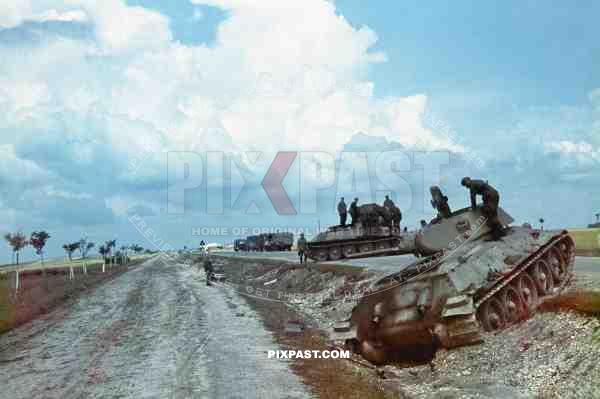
pixel 146 334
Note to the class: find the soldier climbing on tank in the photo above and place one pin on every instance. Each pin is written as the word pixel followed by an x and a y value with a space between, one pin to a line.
pixel 440 203
pixel 354 211
pixel 342 211
pixel 491 198
pixel 301 248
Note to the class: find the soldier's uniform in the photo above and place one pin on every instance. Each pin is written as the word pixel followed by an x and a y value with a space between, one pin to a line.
pixel 388 203
pixel 354 211
pixel 208 269
pixel 439 202
pixel 301 248
pixel 393 213
pixel 342 211
pixel 491 199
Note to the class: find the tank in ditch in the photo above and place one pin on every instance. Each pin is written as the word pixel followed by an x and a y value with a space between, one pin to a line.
pixel 464 285
pixel 375 232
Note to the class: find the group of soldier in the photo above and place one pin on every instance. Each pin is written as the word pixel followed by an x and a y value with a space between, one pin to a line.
pixel 343 211
pixel 369 214
pixel 489 208
pixel 489 194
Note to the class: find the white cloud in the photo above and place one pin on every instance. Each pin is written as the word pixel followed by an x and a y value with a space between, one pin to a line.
pixel 120 28
pixel 66 16
pixel 280 75
pixel 15 12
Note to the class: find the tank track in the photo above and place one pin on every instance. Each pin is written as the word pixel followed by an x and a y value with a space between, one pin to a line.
pixel 361 248
pixel 516 295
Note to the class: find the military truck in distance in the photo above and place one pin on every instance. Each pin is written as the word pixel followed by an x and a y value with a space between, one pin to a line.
pixel 254 243
pixel 278 241
pixel 240 245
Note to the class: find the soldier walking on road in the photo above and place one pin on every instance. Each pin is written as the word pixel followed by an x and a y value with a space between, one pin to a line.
pixel 208 269
pixel 491 198
pixel 354 211
pixel 301 248
pixel 342 211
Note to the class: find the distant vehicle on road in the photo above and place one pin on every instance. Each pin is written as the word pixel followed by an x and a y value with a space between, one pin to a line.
pixel 265 242
pixel 240 245
pixel 278 241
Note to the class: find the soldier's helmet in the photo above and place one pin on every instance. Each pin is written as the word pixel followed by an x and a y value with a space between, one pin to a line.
pixel 465 181
pixel 356 199
pixel 387 197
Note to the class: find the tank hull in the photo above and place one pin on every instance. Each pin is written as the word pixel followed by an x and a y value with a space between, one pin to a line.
pixel 451 298
pixel 350 242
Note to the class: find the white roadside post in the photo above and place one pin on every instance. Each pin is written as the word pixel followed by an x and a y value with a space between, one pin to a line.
pixel 84 267
pixel 71 272
pixel 103 265
pixel 17 281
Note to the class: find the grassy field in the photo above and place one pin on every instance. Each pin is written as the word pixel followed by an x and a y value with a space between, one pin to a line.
pixel 44 288
pixel 61 263
pixel 587 241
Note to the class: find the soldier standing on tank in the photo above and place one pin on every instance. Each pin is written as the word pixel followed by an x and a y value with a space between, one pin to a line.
pixel 393 212
pixel 301 247
pixel 342 211
pixel 388 203
pixel 208 269
pixel 491 198
pixel 354 211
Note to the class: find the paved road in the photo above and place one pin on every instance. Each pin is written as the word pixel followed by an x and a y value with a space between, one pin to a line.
pixel 392 264
pixel 156 331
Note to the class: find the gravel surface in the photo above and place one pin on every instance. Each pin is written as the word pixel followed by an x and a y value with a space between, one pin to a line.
pixel 156 331
pixel 551 355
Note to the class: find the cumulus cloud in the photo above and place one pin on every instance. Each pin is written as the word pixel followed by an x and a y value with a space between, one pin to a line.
pixel 15 12
pixel 281 75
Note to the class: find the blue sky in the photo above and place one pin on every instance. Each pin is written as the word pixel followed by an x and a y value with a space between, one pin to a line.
pixel 89 86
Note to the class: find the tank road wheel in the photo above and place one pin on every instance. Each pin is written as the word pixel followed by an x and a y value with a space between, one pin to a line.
pixel 335 253
pixel 528 291
pixel 365 247
pixel 320 254
pixel 542 275
pixel 557 265
pixel 513 304
pixel 347 250
pixel 492 315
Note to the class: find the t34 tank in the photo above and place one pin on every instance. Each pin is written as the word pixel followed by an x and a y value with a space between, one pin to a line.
pixel 376 232
pixel 464 284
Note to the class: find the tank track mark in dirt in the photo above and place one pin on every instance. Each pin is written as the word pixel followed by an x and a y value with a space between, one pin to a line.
pixel 412 317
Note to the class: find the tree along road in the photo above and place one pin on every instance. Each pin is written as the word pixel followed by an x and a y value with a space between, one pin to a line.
pixel 156 331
